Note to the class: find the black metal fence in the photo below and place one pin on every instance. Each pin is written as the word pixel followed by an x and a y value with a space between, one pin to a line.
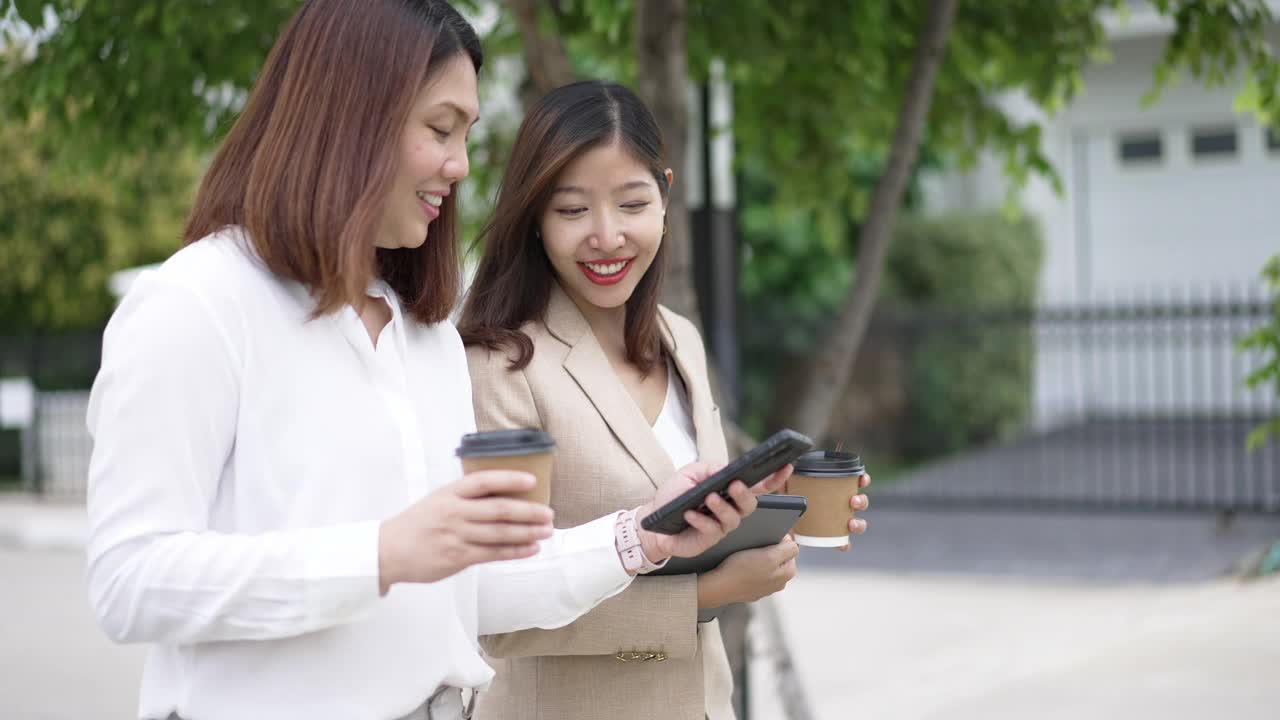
pixel 1125 405
pixel 48 452
pixel 53 361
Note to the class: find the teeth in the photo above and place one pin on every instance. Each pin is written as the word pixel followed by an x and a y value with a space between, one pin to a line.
pixel 610 269
pixel 434 200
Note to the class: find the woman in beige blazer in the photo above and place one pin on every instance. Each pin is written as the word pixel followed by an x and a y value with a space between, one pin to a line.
pixel 565 334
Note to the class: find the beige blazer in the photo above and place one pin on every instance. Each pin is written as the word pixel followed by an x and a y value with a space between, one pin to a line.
pixel 642 653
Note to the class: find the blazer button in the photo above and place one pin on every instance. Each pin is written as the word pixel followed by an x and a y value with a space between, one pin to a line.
pixel 633 656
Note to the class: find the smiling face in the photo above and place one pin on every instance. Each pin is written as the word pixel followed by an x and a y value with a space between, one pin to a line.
pixel 603 225
pixel 432 154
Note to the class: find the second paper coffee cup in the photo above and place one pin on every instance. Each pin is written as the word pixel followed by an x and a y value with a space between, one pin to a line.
pixel 827 479
pixel 527 450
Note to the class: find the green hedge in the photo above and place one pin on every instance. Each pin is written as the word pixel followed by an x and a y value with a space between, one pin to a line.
pixel 969 362
pixel 961 383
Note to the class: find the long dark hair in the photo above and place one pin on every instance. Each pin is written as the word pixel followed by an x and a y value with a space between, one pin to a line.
pixel 514 279
pixel 307 166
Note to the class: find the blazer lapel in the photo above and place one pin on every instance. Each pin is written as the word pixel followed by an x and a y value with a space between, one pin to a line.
pixel 590 368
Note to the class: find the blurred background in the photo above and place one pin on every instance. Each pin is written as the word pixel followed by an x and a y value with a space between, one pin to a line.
pixel 1022 256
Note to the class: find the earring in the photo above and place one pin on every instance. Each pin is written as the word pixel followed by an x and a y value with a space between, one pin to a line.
pixel 537 234
pixel 664 230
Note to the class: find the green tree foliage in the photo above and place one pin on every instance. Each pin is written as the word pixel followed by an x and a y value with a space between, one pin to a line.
pixel 814 82
pixel 116 77
pixel 1266 340
pixel 818 85
pixel 64 231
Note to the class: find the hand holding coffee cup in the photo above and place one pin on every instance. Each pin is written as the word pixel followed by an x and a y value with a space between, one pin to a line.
pixel 830 481
pixel 526 449
pixel 857 504
pixel 464 523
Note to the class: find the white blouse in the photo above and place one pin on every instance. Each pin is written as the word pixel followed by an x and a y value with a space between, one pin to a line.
pixel 244 456
pixel 674 426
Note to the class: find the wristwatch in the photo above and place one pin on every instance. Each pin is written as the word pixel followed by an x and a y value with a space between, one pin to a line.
pixel 626 538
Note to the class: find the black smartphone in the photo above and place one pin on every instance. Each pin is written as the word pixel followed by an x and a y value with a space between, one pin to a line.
pixel 773 519
pixel 753 466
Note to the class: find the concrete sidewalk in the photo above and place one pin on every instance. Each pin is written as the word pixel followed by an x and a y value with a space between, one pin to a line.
pixel 55 664
pixel 905 648
pixel 27 522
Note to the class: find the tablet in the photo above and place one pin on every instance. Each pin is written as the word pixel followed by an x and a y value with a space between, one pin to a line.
pixel 753 466
pixel 774 517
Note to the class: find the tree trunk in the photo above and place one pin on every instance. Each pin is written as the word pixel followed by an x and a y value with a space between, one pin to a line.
pixel 661 27
pixel 832 364
pixel 545 60
pixel 661 54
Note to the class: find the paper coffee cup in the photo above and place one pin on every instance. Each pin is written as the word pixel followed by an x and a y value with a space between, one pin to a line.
pixel 828 480
pixel 527 450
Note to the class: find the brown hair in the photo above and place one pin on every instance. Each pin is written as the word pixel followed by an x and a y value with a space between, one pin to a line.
pixel 307 166
pixel 514 279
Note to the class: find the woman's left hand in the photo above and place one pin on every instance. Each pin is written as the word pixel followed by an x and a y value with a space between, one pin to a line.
pixel 858 503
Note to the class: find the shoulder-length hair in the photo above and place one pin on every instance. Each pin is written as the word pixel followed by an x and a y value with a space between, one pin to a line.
pixel 513 281
pixel 306 168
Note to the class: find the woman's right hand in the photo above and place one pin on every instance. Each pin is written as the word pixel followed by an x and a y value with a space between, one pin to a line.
pixel 749 575
pixel 460 525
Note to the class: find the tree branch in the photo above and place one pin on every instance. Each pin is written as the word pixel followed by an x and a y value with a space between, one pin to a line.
pixel 833 364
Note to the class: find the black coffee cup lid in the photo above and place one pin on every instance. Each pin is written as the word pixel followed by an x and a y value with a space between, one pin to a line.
pixel 497 443
pixel 828 463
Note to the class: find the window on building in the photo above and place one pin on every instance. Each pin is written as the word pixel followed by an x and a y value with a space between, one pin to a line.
pixel 1214 142
pixel 1273 139
pixel 1141 147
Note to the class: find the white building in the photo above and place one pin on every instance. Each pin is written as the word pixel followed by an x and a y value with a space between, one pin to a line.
pixel 1175 202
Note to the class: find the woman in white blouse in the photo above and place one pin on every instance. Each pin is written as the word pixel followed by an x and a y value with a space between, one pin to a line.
pixel 273 495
